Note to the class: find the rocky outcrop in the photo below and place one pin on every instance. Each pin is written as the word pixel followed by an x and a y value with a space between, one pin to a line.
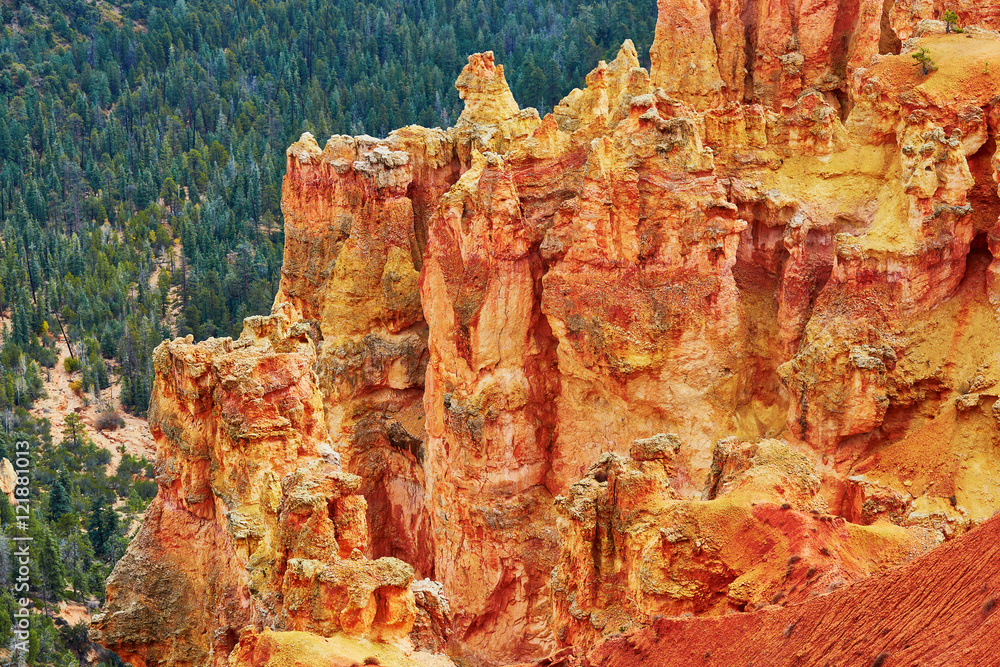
pixel 708 52
pixel 634 549
pixel 889 619
pixel 906 17
pixel 488 402
pixel 8 479
pixel 711 339
pixel 254 523
pixel 358 289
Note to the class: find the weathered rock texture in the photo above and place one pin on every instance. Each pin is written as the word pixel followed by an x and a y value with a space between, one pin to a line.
pixel 706 339
pixel 254 524
pixel 939 610
pixel 8 479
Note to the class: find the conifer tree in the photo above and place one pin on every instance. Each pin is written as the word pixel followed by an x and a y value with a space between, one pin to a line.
pixel 59 501
pixel 951 21
pixel 73 431
pixel 51 565
pixel 924 59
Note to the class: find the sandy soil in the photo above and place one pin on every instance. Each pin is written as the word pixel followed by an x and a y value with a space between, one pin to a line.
pixel 73 613
pixel 60 400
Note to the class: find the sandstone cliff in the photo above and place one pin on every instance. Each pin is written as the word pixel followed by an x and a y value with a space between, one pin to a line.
pixel 707 339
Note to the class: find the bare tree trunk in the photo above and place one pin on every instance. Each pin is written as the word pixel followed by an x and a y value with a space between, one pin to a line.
pixel 65 337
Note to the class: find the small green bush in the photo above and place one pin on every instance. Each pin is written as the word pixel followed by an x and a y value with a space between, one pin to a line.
pixel 924 58
pixel 951 21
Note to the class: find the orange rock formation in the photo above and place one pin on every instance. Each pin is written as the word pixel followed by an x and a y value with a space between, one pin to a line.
pixel 253 524
pixel 708 339
pixel 890 619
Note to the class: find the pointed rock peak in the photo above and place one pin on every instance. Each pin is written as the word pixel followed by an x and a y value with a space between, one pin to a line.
pixel 547 131
pixel 483 87
pixel 546 142
pixel 479 163
pixel 627 55
pixel 602 104
pixel 684 60
pixel 618 70
pixel 305 149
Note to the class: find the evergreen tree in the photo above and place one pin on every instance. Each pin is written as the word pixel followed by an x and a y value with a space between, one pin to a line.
pixel 59 501
pixel 102 528
pixel 51 565
pixel 924 59
pixel 73 431
pixel 6 514
pixel 951 21
pixel 6 631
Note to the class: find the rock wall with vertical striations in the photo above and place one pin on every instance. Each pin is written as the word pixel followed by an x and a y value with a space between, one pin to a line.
pixel 719 337
pixel 254 523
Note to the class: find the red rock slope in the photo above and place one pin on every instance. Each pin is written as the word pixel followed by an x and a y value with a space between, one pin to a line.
pixel 938 610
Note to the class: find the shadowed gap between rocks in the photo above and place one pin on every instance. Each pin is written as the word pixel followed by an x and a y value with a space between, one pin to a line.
pixel 761 261
pixel 391 448
pixel 888 42
pixel 423 209
pixel 983 195
pixel 821 264
pixel 979 257
pixel 749 47
pixel 848 16
pixel 985 208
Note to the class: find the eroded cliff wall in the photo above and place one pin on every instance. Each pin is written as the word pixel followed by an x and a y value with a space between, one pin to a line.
pixel 710 338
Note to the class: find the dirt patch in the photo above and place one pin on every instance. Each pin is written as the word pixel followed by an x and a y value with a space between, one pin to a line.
pixel 60 400
pixel 73 612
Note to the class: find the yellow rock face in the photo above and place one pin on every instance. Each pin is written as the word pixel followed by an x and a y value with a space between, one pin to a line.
pixel 8 480
pixel 707 339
